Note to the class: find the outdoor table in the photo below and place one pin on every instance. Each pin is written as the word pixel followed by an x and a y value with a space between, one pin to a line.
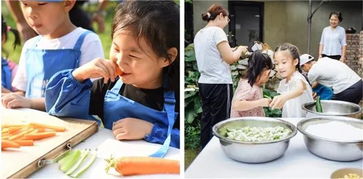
pixel 296 162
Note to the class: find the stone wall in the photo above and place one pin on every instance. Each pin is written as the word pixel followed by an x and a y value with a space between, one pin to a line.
pixel 354 54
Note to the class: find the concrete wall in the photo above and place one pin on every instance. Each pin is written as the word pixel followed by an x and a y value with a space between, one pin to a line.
pixel 285 21
pixel 202 6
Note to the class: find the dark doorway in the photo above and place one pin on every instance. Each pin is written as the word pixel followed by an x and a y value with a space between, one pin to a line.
pixel 246 24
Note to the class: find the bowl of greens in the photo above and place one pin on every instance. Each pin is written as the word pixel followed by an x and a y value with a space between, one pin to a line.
pixel 254 139
pixel 332 108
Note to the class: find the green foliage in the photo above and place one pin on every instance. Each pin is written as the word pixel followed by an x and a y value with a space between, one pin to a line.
pixel 268 111
pixel 192 102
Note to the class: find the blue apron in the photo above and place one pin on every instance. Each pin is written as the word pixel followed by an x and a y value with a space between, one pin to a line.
pixel 42 64
pixel 118 107
pixel 5 75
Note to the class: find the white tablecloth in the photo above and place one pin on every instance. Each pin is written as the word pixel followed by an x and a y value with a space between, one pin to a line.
pixel 297 162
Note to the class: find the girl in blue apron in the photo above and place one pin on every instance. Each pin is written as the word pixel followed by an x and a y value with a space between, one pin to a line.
pixel 137 96
pixel 52 23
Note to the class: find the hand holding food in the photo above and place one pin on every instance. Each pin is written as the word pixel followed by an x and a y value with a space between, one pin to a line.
pixel 95 69
pixel 131 129
pixel 278 102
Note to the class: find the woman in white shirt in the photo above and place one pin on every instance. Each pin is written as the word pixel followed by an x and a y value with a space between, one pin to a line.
pixel 333 39
pixel 214 55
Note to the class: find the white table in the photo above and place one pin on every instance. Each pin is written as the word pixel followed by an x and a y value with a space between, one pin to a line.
pixel 106 145
pixel 296 162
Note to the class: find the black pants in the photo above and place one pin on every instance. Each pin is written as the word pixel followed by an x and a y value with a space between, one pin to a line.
pixel 352 94
pixel 80 18
pixel 216 106
pixel 336 57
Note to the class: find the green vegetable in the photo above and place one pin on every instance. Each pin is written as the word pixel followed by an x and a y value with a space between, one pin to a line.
pixel 84 154
pixel 265 96
pixel 68 162
pixel 318 106
pixel 92 158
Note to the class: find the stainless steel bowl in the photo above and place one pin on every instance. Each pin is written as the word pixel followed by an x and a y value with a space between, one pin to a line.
pixel 333 108
pixel 338 150
pixel 253 152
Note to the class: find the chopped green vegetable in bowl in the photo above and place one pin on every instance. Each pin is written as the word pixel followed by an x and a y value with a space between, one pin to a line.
pixel 258 134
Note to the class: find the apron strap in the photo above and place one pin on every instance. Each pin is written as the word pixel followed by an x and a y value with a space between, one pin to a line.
pixel 169 106
pixel 6 74
pixel 116 88
pixel 79 42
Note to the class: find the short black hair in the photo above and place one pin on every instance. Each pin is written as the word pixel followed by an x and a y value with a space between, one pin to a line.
pixel 338 14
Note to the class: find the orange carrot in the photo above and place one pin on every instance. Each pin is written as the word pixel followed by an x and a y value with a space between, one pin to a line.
pixel 56 128
pixel 14 130
pixel 21 134
pixel 143 165
pixel 39 135
pixel 8 144
pixel 24 142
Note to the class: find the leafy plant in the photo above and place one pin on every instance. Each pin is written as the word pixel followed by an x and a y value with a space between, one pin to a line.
pixel 193 105
pixel 268 111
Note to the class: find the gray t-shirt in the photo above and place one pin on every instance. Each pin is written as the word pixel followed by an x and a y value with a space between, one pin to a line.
pixel 333 40
pixel 213 69
pixel 333 73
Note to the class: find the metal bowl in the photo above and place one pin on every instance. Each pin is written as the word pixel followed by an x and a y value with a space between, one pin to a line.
pixel 253 152
pixel 333 108
pixel 332 149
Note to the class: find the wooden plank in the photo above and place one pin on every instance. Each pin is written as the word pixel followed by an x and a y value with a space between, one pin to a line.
pixel 23 161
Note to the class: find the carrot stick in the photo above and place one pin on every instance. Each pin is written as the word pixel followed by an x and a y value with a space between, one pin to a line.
pixel 39 135
pixel 21 134
pixel 14 130
pixel 24 142
pixel 12 125
pixel 8 144
pixel 56 128
pixel 144 165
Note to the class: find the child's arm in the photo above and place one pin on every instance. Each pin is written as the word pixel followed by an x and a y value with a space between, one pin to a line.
pixel 243 105
pixel 134 129
pixel 17 100
pixel 279 101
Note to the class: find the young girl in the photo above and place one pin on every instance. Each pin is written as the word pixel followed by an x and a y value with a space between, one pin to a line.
pixel 8 68
pixel 60 45
pixel 294 88
pixel 137 96
pixel 248 99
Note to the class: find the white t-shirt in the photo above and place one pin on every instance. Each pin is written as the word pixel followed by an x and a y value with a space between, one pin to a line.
pixel 91 48
pixel 292 107
pixel 333 40
pixel 213 69
pixel 333 73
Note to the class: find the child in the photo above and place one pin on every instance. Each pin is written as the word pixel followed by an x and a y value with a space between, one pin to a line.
pixel 139 103
pixel 60 45
pixel 8 68
pixel 248 99
pixel 294 88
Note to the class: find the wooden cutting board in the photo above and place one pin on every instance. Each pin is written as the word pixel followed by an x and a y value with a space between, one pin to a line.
pixel 23 161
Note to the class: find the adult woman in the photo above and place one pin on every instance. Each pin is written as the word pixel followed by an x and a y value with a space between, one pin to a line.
pixel 333 40
pixel 214 55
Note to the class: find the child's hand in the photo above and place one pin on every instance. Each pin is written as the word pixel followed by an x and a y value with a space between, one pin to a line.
pixel 95 69
pixel 264 102
pixel 13 100
pixel 131 129
pixel 278 102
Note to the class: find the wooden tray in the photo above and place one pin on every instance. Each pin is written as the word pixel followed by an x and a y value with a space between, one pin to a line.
pixel 23 161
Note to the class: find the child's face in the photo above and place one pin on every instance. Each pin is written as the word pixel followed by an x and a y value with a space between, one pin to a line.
pixel 141 67
pixel 285 64
pixel 46 18
pixel 263 77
